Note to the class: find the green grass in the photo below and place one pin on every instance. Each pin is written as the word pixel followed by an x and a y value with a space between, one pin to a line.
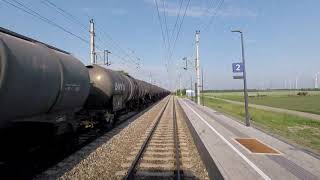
pixel 280 99
pixel 268 93
pixel 298 130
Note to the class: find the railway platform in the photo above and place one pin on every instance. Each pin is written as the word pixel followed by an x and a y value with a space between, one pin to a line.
pixel 231 150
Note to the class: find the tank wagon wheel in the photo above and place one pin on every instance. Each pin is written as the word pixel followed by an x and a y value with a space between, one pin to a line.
pixel 106 120
pixel 109 120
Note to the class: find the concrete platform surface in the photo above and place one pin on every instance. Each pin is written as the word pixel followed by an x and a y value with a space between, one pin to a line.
pixel 234 161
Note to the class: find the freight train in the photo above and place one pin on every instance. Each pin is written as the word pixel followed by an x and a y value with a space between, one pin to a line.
pixel 45 91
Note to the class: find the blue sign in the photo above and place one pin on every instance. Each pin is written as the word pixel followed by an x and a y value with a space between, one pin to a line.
pixel 237 67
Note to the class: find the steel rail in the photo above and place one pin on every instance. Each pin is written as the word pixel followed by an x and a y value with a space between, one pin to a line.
pixel 132 169
pixel 176 142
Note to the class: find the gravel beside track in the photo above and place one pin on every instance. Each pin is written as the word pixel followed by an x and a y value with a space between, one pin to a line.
pixel 103 157
pixel 110 155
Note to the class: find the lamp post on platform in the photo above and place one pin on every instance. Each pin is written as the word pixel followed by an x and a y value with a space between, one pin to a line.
pixel 244 80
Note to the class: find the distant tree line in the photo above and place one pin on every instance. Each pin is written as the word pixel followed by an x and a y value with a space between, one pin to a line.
pixel 183 92
pixel 259 90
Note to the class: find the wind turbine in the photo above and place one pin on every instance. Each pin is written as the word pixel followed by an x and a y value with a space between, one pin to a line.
pixel 316 80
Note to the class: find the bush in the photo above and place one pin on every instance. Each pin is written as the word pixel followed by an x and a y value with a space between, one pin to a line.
pixel 302 93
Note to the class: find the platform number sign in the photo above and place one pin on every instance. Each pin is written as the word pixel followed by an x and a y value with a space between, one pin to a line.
pixel 237 67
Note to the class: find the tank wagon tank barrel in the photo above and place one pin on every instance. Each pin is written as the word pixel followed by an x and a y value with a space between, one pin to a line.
pixel 36 79
pixel 117 90
pixel 109 88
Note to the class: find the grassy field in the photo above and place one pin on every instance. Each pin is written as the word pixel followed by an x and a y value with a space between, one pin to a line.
pixel 281 99
pixel 298 130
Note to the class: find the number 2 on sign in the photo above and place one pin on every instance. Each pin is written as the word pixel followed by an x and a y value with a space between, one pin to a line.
pixel 238 67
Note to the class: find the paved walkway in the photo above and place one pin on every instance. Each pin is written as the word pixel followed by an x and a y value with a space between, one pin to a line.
pixel 232 160
pixel 287 111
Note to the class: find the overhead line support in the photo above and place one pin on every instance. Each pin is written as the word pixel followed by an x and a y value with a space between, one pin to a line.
pixel 198 67
pixel 92 43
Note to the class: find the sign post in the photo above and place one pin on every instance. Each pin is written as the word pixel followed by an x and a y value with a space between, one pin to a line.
pixel 239 68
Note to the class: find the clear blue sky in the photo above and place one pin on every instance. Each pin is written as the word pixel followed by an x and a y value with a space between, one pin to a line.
pixel 282 37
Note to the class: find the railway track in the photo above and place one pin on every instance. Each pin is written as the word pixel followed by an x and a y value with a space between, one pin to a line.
pixel 161 150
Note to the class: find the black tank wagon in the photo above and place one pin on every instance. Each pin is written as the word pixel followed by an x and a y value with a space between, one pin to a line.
pixel 114 92
pixel 45 90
